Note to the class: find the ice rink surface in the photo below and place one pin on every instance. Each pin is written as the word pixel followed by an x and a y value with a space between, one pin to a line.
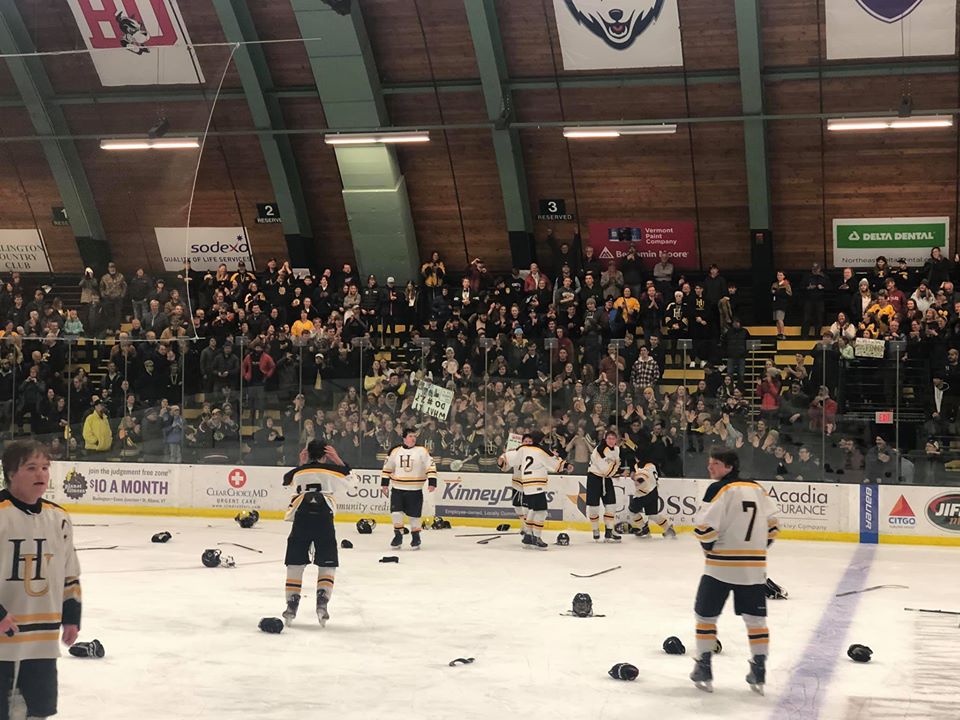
pixel 182 640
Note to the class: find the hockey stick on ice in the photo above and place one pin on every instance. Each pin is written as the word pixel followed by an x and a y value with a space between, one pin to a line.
pixel 602 572
pixel 245 547
pixel 486 534
pixel 875 587
pixel 488 540
pixel 938 612
pixel 104 547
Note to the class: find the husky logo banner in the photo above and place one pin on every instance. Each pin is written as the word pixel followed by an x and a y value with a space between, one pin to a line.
pixel 605 34
pixel 137 42
pixel 890 28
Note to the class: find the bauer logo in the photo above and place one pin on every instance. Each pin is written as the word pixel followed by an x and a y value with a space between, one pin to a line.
pixel 902 514
pixel 944 511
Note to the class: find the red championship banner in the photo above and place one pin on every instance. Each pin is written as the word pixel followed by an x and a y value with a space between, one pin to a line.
pixel 611 240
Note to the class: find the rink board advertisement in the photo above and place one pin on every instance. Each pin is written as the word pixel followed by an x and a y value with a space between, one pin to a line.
pixel 206 247
pixel 810 507
pixel 897 513
pixel 910 513
pixel 488 496
pixel 143 485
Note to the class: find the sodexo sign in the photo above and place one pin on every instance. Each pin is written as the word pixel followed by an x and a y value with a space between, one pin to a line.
pixel 206 247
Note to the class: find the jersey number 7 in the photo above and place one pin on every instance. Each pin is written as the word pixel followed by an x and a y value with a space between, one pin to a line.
pixel 750 505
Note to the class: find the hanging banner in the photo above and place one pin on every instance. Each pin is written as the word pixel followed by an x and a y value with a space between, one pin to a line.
pixel 612 240
pixel 890 28
pixel 206 247
pixel 23 251
pixel 858 242
pixel 597 35
pixel 137 42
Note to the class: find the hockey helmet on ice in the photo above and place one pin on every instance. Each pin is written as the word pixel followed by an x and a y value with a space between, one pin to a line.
pixel 247 518
pixel 582 605
pixel 364 527
pixel 563 539
pixel 214 558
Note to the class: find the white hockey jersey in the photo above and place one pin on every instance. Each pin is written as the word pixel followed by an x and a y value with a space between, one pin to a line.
pixel 646 479
pixel 408 468
pixel 604 461
pixel 534 464
pixel 316 481
pixel 508 461
pixel 39 577
pixel 735 524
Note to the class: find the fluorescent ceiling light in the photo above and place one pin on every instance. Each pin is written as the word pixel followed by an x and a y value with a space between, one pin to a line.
pixel 615 131
pixel 893 122
pixel 185 143
pixel 376 138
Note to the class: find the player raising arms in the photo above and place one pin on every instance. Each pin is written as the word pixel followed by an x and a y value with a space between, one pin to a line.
pixel 604 464
pixel 508 461
pixel 39 581
pixel 646 502
pixel 534 464
pixel 735 524
pixel 321 472
pixel 407 467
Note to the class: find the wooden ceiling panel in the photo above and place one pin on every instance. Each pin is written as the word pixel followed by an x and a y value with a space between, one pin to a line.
pixel 790 34
pixel 709 31
pixel 442 49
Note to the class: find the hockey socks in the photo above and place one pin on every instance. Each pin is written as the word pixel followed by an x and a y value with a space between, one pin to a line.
pixel 706 635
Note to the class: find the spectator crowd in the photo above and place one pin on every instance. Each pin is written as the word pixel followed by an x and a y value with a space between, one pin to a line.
pixel 234 365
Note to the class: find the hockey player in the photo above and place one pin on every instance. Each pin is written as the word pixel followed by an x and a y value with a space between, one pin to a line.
pixel 507 461
pixel 735 524
pixel 534 464
pixel 39 581
pixel 604 464
pixel 321 473
pixel 407 467
pixel 646 502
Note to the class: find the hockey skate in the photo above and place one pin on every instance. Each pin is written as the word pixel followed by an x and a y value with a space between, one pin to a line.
pixel 596 536
pixel 702 674
pixel 669 532
pixel 397 539
pixel 528 541
pixel 414 541
pixel 538 543
pixel 643 532
pixel 609 536
pixel 322 614
pixel 758 673
pixel 293 603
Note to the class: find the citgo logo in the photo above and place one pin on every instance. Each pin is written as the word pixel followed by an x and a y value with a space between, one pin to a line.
pixel 902 514
pixel 944 511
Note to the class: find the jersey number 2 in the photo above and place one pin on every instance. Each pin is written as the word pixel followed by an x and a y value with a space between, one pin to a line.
pixel 750 505
pixel 527 465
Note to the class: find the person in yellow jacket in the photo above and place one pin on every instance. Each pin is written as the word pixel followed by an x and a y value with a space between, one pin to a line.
pixel 97 435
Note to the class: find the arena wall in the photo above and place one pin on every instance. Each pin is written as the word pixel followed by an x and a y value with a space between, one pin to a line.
pixel 810 511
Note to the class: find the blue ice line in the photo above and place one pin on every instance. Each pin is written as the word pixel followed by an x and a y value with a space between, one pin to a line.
pixel 810 678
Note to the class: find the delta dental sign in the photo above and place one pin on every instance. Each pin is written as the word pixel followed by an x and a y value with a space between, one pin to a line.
pixel 859 242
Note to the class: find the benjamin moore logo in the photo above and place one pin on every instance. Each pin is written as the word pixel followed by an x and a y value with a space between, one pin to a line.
pixel 618 24
pixel 74 485
pixel 902 514
pixel 944 511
